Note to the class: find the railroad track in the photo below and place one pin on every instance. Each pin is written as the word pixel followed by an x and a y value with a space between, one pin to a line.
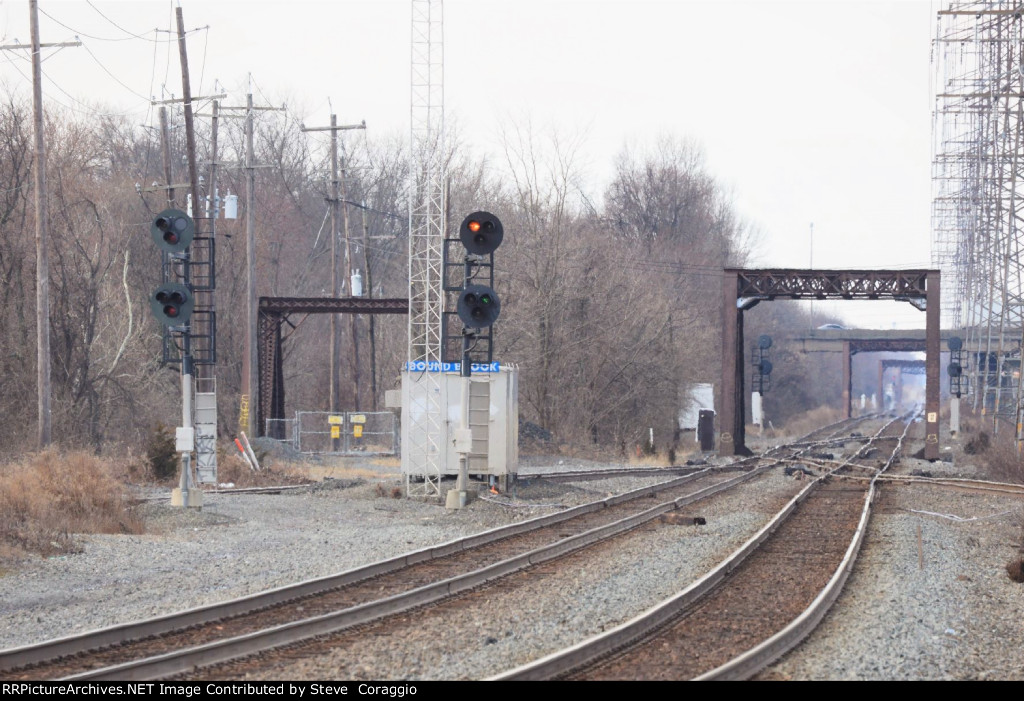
pixel 758 604
pixel 974 485
pixel 175 644
pixel 607 473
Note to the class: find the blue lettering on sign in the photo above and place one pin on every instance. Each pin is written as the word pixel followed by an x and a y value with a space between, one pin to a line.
pixel 434 366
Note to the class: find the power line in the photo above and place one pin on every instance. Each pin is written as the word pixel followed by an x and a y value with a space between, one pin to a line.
pixel 202 71
pixel 108 72
pixel 88 109
pixel 79 33
pixel 130 34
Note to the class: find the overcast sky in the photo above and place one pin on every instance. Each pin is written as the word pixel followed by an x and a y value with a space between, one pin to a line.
pixel 807 111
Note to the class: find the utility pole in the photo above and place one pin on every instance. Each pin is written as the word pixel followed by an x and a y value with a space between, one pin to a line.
pixel 190 134
pixel 368 282
pixel 169 185
pixel 188 494
pixel 251 322
pixel 44 390
pixel 248 399
pixel 213 207
pixel 353 318
pixel 337 197
pixel 165 150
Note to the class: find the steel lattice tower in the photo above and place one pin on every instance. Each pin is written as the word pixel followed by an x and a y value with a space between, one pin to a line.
pixel 978 189
pixel 426 243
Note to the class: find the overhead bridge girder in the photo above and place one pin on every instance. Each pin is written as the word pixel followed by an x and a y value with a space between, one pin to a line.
pixel 832 284
pixel 272 313
pixel 743 288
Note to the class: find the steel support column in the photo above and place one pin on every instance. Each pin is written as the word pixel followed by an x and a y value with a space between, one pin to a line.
pixel 731 440
pixel 932 375
pixel 881 386
pixel 847 379
pixel 269 395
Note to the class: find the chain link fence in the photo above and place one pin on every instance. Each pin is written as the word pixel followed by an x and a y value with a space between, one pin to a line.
pixel 344 433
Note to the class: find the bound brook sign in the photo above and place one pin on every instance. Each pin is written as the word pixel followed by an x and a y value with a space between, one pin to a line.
pixel 434 366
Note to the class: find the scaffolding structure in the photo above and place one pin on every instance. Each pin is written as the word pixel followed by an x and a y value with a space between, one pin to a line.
pixel 978 194
pixel 421 457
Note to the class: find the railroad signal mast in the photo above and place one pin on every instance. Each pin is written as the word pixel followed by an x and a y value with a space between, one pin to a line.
pixel 174 304
pixel 761 379
pixel 957 381
pixel 478 308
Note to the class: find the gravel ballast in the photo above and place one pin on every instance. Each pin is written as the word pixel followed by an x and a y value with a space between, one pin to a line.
pixel 950 612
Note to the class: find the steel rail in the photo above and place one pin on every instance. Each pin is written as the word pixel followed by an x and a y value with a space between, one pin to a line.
pixel 609 473
pixel 26 655
pixel 957 483
pixel 760 656
pixel 564 661
pixel 186 660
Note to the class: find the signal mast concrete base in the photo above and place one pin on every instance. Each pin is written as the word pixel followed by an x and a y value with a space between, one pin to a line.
pixel 192 498
pixel 457 499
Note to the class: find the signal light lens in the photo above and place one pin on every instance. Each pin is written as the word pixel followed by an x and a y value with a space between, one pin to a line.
pixel 172 304
pixel 478 306
pixel 173 230
pixel 481 233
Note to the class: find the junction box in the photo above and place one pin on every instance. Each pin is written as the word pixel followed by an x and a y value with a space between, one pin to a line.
pixel 493 423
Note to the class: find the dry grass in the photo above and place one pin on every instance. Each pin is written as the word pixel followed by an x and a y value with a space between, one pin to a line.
pixel 383 490
pixel 643 460
pixel 998 455
pixel 803 424
pixel 231 469
pixel 46 498
pixel 277 471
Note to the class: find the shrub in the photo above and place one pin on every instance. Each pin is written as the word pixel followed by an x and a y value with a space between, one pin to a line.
pixel 160 453
pixel 49 497
pixel 977 444
pixel 1015 568
pixel 1000 457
